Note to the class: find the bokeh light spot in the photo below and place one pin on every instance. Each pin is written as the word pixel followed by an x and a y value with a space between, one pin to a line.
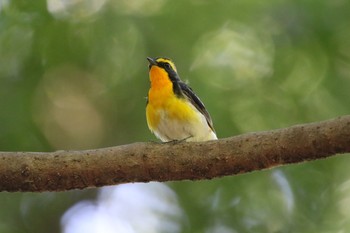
pixel 127 208
pixel 65 111
pixel 236 52
pixel 74 9
pixel 15 47
pixel 138 8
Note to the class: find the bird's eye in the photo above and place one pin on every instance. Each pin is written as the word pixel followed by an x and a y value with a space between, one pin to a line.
pixel 167 65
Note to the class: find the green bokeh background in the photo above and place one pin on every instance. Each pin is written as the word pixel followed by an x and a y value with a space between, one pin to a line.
pixel 74 76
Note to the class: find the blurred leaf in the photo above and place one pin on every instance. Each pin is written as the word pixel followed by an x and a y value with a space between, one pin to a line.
pixel 73 74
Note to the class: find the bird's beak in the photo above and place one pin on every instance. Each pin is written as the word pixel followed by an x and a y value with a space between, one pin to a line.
pixel 151 61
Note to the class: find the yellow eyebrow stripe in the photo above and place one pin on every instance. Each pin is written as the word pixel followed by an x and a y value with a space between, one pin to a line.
pixel 167 61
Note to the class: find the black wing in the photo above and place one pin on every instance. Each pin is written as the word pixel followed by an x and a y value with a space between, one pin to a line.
pixel 194 99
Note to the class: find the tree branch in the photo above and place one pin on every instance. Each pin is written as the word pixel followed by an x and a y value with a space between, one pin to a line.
pixel 143 162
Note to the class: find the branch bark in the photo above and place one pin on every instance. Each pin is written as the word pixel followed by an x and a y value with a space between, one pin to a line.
pixel 144 162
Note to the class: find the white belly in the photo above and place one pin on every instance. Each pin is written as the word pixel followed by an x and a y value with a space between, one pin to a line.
pixel 175 129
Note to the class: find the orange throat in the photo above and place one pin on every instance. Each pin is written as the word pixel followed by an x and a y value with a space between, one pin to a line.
pixel 161 86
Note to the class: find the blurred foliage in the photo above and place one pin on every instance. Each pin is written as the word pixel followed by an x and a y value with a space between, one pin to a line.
pixel 73 75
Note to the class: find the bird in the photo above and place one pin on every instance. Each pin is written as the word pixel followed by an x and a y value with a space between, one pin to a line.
pixel 173 111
